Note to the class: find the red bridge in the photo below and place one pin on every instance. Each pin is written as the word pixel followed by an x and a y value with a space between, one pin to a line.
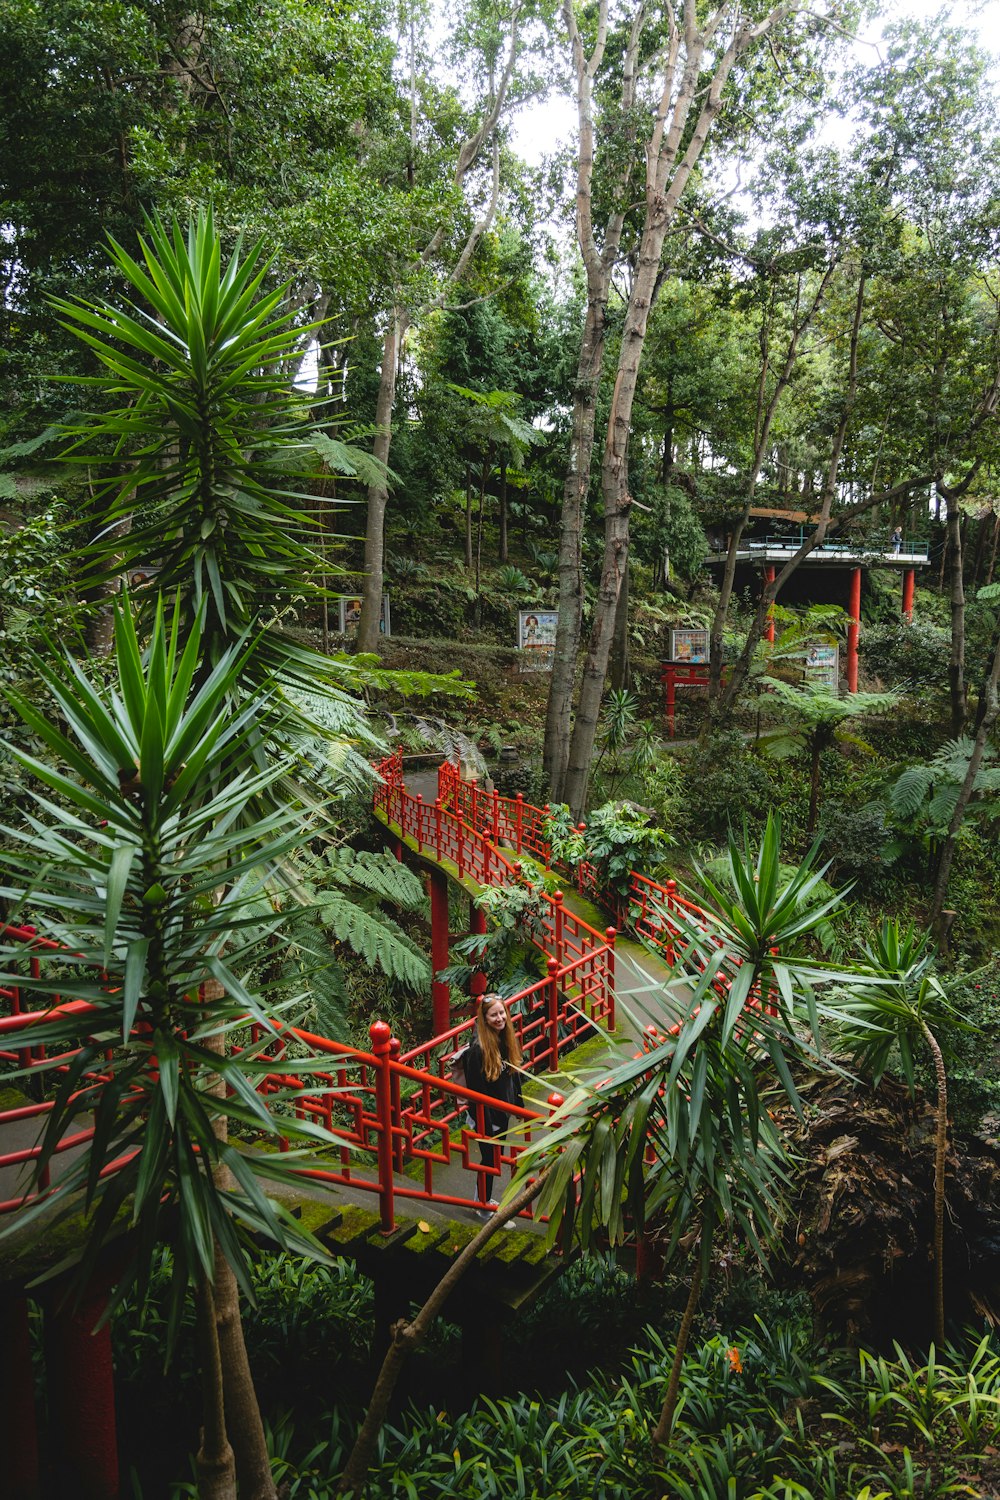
pixel 406 1133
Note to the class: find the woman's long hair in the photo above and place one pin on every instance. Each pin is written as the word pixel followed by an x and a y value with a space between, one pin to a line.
pixel 489 1044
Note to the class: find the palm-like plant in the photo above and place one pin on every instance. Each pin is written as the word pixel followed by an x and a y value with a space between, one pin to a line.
pixel 213 456
pixel 763 914
pixel 819 719
pixel 682 1137
pixel 896 1000
pixel 145 862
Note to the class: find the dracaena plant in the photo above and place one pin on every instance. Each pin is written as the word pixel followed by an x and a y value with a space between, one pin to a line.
pixel 206 458
pixel 140 854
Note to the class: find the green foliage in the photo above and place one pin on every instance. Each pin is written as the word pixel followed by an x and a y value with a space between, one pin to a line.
pixel 924 796
pixel 895 999
pixel 621 838
pixel 910 655
pixel 618 839
pixel 509 953
pixel 148 870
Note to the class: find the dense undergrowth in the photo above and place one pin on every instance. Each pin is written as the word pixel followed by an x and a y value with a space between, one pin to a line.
pixel 768 1411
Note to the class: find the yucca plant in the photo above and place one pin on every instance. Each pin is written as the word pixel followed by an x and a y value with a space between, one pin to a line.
pixel 207 460
pixel 894 1002
pixel 142 857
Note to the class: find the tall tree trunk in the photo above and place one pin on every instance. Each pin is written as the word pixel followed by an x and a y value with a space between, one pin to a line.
pixel 559 709
pixel 468 519
pixel 378 491
pixel 368 636
pixel 408 1336
pixel 621 667
pixel 993 549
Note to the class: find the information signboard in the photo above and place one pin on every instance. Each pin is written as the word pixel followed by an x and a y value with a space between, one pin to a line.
pixel 350 614
pixel 536 638
pixel 689 645
pixel 823 666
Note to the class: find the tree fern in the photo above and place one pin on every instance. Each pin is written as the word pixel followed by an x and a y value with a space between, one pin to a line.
pixel 376 939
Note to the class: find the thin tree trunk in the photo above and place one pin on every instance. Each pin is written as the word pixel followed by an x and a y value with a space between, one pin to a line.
pixel 986 722
pixel 368 637
pixel 242 1409
pixel 814 771
pixel 940 1163
pixel 468 520
pixel 720 703
pixel 664 1427
pixel 993 549
pixel 378 491
pixel 956 591
pixel 502 551
pixel 408 1336
pixel 214 1461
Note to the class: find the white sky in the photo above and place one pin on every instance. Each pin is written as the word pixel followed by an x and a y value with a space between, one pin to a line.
pixel 542 128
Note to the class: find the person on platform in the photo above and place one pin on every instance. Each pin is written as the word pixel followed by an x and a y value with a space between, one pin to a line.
pixel 493 1067
pixel 897 540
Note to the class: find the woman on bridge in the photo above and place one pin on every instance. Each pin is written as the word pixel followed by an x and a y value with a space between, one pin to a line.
pixel 492 1067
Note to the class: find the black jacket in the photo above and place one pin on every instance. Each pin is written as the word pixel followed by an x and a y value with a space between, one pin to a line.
pixel 506 1088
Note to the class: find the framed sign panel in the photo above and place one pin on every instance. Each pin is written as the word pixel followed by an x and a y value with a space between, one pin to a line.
pixel 689 645
pixel 823 666
pixel 350 614
pixel 536 638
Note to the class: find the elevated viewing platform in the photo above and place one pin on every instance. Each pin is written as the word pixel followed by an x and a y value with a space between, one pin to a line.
pixel 781 549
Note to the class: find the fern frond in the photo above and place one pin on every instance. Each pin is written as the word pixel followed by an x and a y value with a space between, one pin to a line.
pixel 378 940
pixel 378 873
pixel 909 791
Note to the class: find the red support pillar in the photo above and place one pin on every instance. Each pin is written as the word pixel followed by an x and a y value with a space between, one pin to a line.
pixel 558 923
pixel 671 680
pixel 552 1013
pixel 18 1428
pixel 853 630
pixel 477 928
pixel 381 1046
pixel 909 577
pixel 440 992
pixel 611 934
pixel 81 1387
pixel 769 576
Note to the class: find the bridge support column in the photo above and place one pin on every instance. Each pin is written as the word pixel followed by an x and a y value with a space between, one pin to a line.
pixel 440 992
pixel 18 1428
pixel 853 630
pixel 82 1395
pixel 477 928
pixel 769 576
pixel 909 577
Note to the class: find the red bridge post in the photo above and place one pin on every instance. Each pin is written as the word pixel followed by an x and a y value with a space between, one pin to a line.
pixel 440 992
pixel 381 1045
pixel 611 934
pixel 552 1011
